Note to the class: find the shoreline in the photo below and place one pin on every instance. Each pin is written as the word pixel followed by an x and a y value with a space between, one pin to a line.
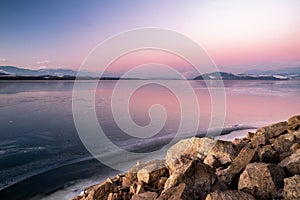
pixel 93 181
pixel 273 151
pixel 26 183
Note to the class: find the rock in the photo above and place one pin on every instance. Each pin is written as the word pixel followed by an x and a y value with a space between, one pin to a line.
pixel 100 191
pixel 229 195
pixel 295 147
pixel 175 193
pixel 261 180
pixel 132 173
pixel 204 168
pixel 126 182
pixel 192 148
pixel 221 155
pixel 230 174
pixel 199 178
pixel 258 140
pixel 283 143
pixel 267 154
pixel 292 163
pixel 118 179
pixel 114 196
pixel 273 130
pixel 132 188
pixel 152 171
pixel 294 122
pixel 291 188
pixel 249 135
pixel 161 183
pixel 241 143
pixel 296 134
pixel 139 188
pixel 145 196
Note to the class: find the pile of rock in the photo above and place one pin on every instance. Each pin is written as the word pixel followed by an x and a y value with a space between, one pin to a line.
pixel 263 165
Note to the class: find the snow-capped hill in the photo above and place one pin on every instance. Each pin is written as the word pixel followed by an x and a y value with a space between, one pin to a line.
pixel 17 71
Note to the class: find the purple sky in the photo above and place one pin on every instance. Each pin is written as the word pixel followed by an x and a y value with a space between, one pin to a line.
pixel 238 35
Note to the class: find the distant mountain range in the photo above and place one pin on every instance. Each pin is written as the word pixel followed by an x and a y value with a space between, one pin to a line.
pixel 230 76
pixel 17 73
pixel 255 74
pixel 282 71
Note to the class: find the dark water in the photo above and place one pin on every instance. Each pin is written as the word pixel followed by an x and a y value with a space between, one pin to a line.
pixel 41 152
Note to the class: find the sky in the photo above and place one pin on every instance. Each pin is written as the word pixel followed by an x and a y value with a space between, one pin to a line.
pixel 237 35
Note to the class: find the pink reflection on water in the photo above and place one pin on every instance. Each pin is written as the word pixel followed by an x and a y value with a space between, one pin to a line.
pixel 248 102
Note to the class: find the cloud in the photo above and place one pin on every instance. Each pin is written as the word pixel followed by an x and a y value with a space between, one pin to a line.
pixel 43 62
pixel 3 60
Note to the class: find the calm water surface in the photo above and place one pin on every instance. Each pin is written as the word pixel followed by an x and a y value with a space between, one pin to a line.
pixel 41 152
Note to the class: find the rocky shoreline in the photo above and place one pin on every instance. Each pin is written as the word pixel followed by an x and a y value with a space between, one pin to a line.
pixel 262 165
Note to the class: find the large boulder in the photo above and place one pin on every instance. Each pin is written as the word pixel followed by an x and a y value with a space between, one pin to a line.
pixel 199 178
pixel 221 155
pixel 292 163
pixel 193 148
pixel 230 174
pixel 274 130
pixel 261 180
pixel 229 195
pixel 152 171
pixel 291 188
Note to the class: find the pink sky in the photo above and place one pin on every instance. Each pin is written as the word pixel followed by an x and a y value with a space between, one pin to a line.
pixel 238 35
